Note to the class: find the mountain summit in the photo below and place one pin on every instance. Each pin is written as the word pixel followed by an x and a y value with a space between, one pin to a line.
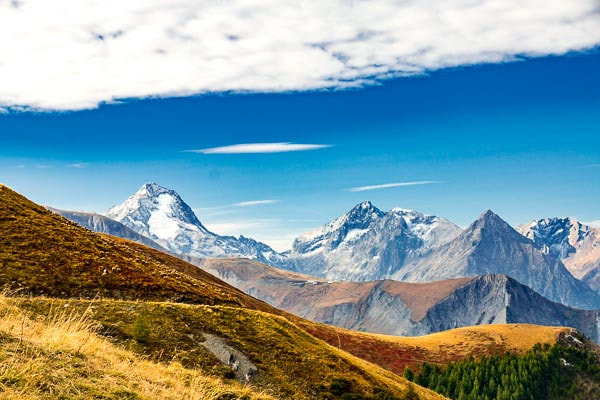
pixel 491 246
pixel 161 214
pixel 575 244
pixel 367 243
pixel 157 212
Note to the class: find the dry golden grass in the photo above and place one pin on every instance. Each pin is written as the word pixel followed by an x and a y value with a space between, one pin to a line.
pixel 510 337
pixel 395 353
pixel 291 363
pixel 62 357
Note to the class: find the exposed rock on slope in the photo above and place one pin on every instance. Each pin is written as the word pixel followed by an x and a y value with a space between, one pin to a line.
pixel 401 308
pixel 367 243
pixel 490 245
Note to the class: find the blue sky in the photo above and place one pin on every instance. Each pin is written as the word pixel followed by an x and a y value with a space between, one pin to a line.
pixel 520 138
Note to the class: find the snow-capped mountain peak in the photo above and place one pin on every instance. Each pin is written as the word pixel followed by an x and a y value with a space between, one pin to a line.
pixel 348 226
pixel 367 243
pixel 561 235
pixel 576 244
pixel 161 214
pixel 157 212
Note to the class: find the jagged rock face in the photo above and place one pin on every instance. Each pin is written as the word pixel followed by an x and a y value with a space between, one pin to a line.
pixel 401 308
pixel 367 243
pixel 491 246
pixel 101 224
pixel 575 244
pixel 161 215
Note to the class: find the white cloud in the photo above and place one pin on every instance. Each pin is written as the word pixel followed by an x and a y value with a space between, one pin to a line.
pixel 389 185
pixel 77 165
pixel 594 224
pixel 253 148
pixel 255 203
pixel 71 55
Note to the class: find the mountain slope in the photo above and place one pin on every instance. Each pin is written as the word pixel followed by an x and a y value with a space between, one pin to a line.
pixel 575 244
pixel 101 224
pixel 59 356
pixel 161 215
pixel 43 253
pixel 401 308
pixel 395 353
pixel 490 245
pixel 367 243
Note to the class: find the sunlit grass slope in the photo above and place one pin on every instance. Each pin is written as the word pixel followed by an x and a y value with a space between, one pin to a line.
pixel 61 357
pixel 291 363
pixel 395 353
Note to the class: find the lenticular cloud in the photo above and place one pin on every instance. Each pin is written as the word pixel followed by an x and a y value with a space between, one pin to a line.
pixel 62 55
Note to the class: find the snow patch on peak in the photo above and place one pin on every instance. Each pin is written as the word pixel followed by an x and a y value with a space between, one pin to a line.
pixel 160 223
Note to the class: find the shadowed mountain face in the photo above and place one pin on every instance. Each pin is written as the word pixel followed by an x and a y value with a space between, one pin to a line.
pixel 367 243
pixel 575 244
pixel 401 308
pixel 101 224
pixel 490 245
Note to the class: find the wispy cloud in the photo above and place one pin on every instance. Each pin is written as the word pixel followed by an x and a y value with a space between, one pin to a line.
pixel 255 203
pixel 115 50
pixel 78 165
pixel 595 224
pixel 255 148
pixel 389 185
pixel 228 208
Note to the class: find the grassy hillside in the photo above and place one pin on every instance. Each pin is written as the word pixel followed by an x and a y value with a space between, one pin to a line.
pixel 61 357
pixel 135 295
pixel 42 253
pixel 291 363
pixel 395 353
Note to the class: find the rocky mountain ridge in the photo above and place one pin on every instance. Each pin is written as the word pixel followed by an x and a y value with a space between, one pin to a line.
pixel 401 308
pixel 367 243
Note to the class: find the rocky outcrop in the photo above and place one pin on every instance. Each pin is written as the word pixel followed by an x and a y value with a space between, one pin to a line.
pixel 240 365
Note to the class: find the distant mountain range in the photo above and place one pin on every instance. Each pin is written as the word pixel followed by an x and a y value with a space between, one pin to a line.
pixel 490 245
pixel 401 308
pixel 367 244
